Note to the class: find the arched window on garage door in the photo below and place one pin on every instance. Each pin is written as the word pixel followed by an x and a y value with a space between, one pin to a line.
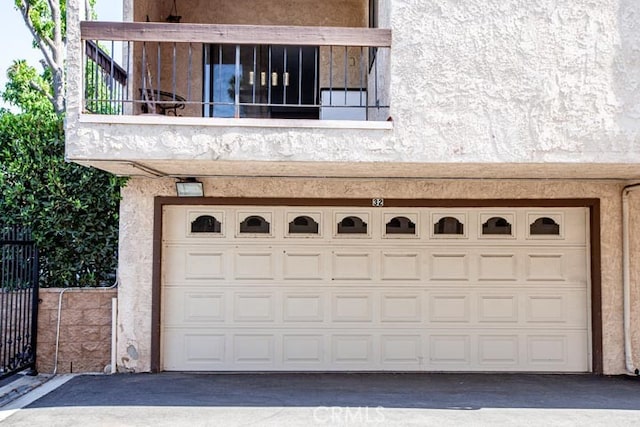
pixel 352 225
pixel 205 224
pixel 401 225
pixel 255 224
pixel 303 225
pixel 496 225
pixel 448 225
pixel 544 226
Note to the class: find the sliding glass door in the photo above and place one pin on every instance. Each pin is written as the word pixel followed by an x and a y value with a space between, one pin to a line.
pixel 261 81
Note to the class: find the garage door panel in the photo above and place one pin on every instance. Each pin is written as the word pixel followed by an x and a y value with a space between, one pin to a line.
pixel 304 307
pixel 304 265
pixel 204 265
pixel 415 295
pixel 204 307
pixel 446 308
pixel 498 308
pixel 254 265
pixel 401 349
pixel 545 267
pixel 254 349
pixel 352 265
pixel 195 264
pixel 497 267
pixel 206 348
pixel 447 350
pixel 401 307
pixel 254 307
pixel 568 308
pixel 552 266
pixel 352 349
pixel 303 348
pixel 503 350
pixel 352 307
pixel 194 350
pixel 193 306
pixel 449 266
pixel 312 349
pixel 401 265
pixel 547 349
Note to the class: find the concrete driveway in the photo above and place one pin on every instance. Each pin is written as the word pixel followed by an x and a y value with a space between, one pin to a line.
pixel 175 399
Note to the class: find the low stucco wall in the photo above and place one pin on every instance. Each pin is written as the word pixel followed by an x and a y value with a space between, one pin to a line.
pixel 85 330
pixel 136 240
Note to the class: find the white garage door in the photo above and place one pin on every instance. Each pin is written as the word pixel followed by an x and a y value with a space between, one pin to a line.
pixel 351 289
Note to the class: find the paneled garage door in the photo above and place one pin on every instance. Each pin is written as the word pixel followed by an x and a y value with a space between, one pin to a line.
pixel 351 289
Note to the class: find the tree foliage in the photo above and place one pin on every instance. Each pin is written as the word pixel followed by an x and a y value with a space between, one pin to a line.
pixel 46 21
pixel 72 210
pixel 21 90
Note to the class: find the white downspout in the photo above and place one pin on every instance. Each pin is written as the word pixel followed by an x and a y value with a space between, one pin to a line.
pixel 626 280
pixel 114 327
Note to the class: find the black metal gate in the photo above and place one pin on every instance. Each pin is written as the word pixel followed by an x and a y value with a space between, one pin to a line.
pixel 18 301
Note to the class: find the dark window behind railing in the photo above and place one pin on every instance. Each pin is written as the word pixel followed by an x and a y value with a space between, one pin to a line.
pixel 234 71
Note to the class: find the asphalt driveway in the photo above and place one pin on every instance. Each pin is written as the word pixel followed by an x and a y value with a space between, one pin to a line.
pixel 175 399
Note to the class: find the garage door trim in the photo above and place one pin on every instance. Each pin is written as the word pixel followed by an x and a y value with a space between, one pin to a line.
pixel 594 232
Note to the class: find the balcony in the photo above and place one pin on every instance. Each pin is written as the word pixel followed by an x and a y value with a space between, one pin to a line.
pixel 187 99
pixel 235 71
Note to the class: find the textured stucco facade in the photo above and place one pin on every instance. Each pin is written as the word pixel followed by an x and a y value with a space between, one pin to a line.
pixel 488 100
pixel 468 82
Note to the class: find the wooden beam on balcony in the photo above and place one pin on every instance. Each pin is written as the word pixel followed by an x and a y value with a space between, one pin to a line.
pixel 235 34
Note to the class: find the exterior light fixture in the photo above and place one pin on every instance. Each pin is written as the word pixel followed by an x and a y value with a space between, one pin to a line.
pixel 189 187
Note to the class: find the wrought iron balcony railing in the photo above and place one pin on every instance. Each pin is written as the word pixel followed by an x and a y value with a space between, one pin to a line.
pixel 237 71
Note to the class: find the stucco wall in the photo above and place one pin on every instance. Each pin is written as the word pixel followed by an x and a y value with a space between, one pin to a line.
pixel 516 79
pixel 134 323
pixel 473 81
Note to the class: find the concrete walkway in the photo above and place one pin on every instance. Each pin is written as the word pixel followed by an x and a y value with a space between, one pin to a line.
pixel 171 399
pixel 18 385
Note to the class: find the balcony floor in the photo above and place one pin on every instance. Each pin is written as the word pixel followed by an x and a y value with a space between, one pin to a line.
pixel 371 170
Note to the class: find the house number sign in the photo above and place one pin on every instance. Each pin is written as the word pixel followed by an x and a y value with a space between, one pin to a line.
pixel 377 203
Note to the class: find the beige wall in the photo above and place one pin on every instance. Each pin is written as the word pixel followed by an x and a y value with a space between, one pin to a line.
pixel 85 330
pixel 326 13
pixel 136 241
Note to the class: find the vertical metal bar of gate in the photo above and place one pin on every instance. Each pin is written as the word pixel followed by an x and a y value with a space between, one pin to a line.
pixel 35 299
pixel 19 276
pixel 4 277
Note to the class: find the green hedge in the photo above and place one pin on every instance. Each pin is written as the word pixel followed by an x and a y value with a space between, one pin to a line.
pixel 72 210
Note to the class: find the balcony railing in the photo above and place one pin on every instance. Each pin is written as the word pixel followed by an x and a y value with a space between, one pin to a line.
pixel 105 81
pixel 237 71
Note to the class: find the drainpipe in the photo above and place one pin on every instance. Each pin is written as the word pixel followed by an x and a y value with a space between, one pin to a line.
pixel 626 280
pixel 114 327
pixel 55 358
